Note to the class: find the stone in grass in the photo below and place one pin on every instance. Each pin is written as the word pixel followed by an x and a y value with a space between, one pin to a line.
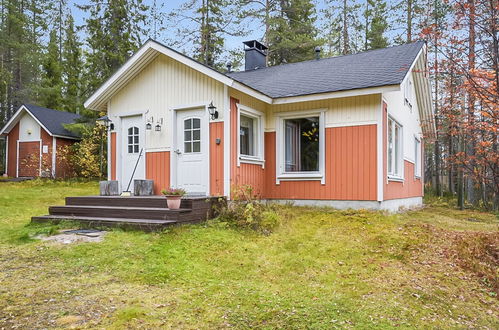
pixel 109 188
pixel 143 187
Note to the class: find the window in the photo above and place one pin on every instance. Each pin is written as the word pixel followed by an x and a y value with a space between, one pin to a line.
pixel 301 144
pixel 247 135
pixel 300 147
pixel 417 158
pixel 394 149
pixel 192 135
pixel 250 135
pixel 133 140
pixel 408 93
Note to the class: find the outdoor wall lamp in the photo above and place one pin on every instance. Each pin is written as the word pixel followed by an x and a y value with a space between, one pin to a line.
pixel 149 123
pixel 105 121
pixel 213 111
pixel 157 128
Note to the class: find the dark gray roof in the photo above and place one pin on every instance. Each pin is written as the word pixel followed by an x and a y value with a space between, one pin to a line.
pixel 375 68
pixel 53 120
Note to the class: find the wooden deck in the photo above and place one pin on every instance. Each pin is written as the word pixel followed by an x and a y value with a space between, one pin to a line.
pixel 148 213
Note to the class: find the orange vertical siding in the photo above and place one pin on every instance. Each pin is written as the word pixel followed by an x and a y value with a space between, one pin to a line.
pixel 350 162
pixel 217 159
pixel 46 158
pixel 113 155
pixel 158 169
pixel 12 163
pixel 244 174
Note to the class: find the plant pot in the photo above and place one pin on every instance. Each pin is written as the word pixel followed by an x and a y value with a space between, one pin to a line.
pixel 173 202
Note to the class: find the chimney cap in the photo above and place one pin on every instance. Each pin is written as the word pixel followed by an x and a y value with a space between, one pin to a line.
pixel 317 50
pixel 256 45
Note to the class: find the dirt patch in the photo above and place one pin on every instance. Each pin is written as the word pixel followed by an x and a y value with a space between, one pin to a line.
pixel 71 236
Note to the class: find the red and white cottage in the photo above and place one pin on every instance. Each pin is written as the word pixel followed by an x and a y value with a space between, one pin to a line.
pixel 345 131
pixel 33 137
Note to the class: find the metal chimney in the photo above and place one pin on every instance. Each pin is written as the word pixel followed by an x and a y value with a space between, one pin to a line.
pixel 255 55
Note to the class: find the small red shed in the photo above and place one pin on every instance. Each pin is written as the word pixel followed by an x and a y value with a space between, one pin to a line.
pixel 33 137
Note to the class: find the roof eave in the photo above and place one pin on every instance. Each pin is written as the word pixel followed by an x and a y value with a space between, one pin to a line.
pixel 337 94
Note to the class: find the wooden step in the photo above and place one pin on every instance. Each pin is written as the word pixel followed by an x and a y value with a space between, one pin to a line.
pixel 139 201
pixel 120 212
pixel 140 224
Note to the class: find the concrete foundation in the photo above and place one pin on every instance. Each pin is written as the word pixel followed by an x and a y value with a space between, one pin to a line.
pixel 393 205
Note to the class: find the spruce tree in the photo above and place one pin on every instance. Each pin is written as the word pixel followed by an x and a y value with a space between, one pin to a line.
pixel 377 25
pixel 72 65
pixel 114 32
pixel 50 91
pixel 292 34
pixel 20 26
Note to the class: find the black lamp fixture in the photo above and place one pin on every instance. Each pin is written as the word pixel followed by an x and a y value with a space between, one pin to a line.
pixel 213 111
pixel 148 126
pixel 157 128
pixel 105 121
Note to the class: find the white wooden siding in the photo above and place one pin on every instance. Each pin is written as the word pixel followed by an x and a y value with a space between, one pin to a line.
pixel 346 111
pixel 28 124
pixel 408 117
pixel 163 85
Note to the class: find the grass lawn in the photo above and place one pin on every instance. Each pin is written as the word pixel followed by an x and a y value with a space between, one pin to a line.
pixel 320 269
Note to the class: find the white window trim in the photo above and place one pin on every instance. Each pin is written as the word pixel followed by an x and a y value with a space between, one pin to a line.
pixel 259 158
pixel 417 161
pixel 396 177
pixel 281 175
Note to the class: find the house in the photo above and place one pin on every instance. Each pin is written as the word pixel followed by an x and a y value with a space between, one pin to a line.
pixel 34 135
pixel 345 131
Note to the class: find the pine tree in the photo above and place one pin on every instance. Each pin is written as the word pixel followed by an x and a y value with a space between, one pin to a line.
pixel 376 25
pixel 72 65
pixel 343 27
pixel 50 91
pixel 292 34
pixel 205 24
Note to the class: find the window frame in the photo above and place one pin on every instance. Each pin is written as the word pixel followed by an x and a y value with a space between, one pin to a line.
pixel 418 154
pixel 258 136
pixel 397 174
pixel 281 174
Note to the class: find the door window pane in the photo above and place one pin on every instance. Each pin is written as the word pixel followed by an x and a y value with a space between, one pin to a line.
pixel 196 146
pixel 133 140
pixel 301 144
pixel 192 135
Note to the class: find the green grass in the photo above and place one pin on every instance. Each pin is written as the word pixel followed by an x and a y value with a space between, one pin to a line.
pixel 320 269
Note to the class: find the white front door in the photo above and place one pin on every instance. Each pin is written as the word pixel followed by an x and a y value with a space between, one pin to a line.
pixel 132 153
pixel 192 151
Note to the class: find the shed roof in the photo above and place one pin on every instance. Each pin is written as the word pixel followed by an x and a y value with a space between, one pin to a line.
pixel 375 68
pixel 51 120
